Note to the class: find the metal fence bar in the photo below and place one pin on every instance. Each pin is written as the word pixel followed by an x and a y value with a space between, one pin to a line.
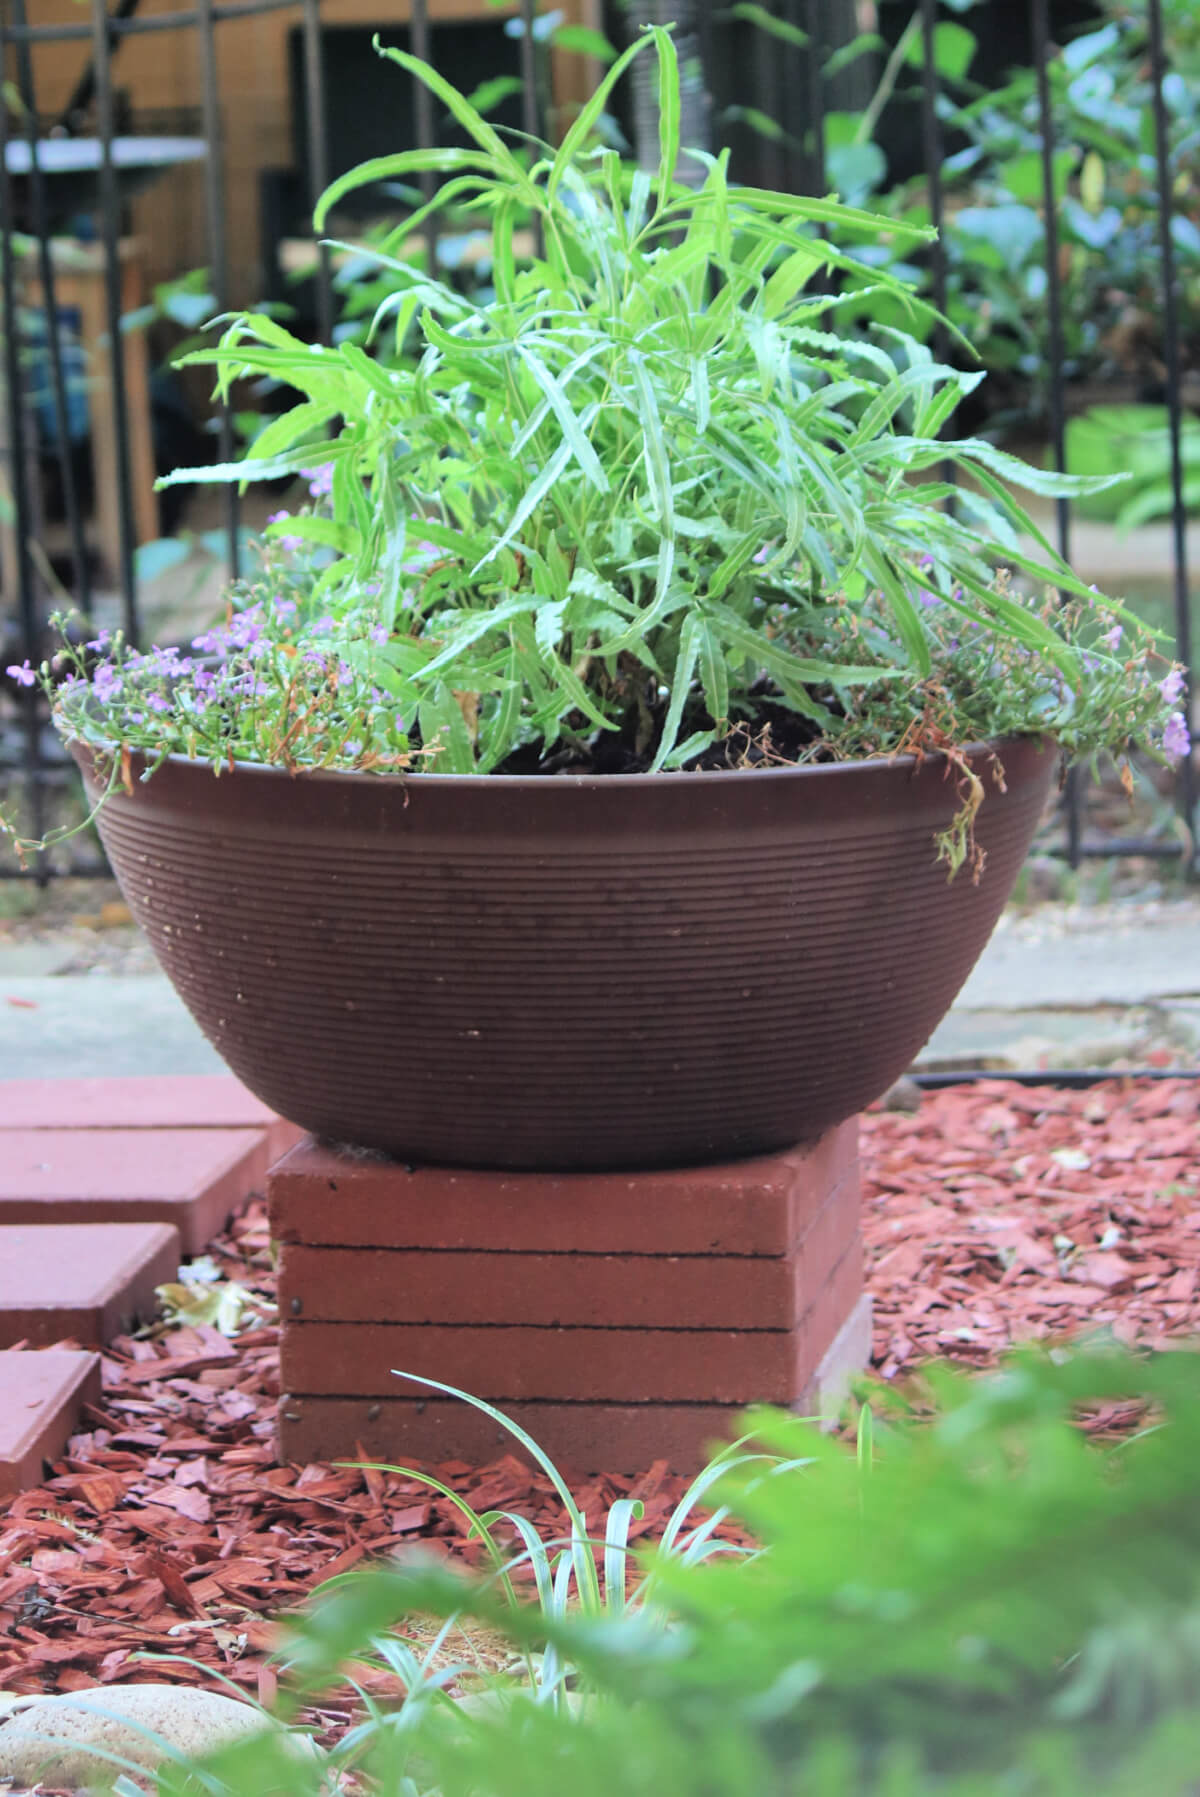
pixel 1147 848
pixel 423 114
pixel 935 150
pixel 1185 777
pixel 792 71
pixel 16 426
pixel 165 21
pixel 531 121
pixel 815 23
pixel 769 100
pixel 110 213
pixel 218 248
pixel 318 156
pixel 53 343
pixel 1040 22
pixel 933 141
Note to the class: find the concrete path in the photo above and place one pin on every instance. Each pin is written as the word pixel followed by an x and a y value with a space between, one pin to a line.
pixel 1059 986
pixel 77 1026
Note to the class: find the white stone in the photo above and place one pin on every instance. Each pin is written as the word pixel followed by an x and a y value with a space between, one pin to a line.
pixel 52 1739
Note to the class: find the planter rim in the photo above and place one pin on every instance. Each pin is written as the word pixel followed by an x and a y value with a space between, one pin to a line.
pixel 705 777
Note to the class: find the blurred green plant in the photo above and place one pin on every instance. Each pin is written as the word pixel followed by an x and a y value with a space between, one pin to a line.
pixel 1134 441
pixel 1105 184
pixel 972 1600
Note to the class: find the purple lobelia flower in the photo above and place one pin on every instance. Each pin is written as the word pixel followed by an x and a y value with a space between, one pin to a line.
pixel 1176 739
pixel 320 479
pixel 22 673
pixel 1172 687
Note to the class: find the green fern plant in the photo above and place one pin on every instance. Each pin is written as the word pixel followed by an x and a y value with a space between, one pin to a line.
pixel 653 496
pixel 970 1600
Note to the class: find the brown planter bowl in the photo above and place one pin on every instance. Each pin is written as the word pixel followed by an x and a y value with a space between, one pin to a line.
pixel 568 973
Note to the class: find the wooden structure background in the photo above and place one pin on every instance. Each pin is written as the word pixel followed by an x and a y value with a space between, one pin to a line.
pixel 160 71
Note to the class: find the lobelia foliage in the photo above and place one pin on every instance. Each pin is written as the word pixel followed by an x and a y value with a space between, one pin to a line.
pixel 977 1603
pixel 641 509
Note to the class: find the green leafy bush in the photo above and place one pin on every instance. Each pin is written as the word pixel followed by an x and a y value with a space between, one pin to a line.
pixel 1134 441
pixel 639 510
pixel 1106 193
pixel 979 1601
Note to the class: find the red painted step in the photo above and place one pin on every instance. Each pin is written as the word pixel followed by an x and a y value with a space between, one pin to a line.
pixel 192 1178
pixel 157 1101
pixel 41 1396
pixel 86 1282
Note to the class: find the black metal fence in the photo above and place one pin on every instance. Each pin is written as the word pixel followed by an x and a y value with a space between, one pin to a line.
pixel 788 67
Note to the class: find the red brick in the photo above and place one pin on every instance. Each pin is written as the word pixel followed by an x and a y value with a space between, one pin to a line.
pixel 192 1178
pixel 621 1317
pixel 833 1232
pixel 832 1304
pixel 754 1207
pixel 628 1366
pixel 153 1101
pixel 82 1281
pixel 40 1399
pixel 580 1438
pixel 629 1291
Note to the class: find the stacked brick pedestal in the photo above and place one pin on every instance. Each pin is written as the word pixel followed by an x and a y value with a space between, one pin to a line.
pixel 620 1318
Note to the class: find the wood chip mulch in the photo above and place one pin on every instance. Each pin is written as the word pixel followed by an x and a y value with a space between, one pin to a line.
pixel 993 1214
pixel 1000 1213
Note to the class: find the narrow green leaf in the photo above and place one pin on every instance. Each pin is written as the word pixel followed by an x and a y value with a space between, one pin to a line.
pixel 669 108
pixel 688 749
pixel 714 675
pixel 504 164
pixel 700 394
pixel 584 42
pixel 681 681
pixel 303 420
pixel 474 626
pixel 572 430
pixel 780 28
pixel 585 120
pixel 390 168
pixel 530 501
pixel 441 721
pixel 548 626
pixel 503 258
pixel 251 469
pixel 658 467
pixel 505 725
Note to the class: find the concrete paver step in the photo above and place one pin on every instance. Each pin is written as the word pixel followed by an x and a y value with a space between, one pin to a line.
pixel 192 1178
pixel 41 1396
pixel 157 1101
pixel 85 1282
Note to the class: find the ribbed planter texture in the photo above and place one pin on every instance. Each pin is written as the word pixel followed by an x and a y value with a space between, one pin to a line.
pixel 568 973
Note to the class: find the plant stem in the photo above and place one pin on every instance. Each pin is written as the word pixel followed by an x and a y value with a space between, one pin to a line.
pixel 865 129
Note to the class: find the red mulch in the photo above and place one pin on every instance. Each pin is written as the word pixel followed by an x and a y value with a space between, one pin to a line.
pixel 999 1213
pixel 994 1214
